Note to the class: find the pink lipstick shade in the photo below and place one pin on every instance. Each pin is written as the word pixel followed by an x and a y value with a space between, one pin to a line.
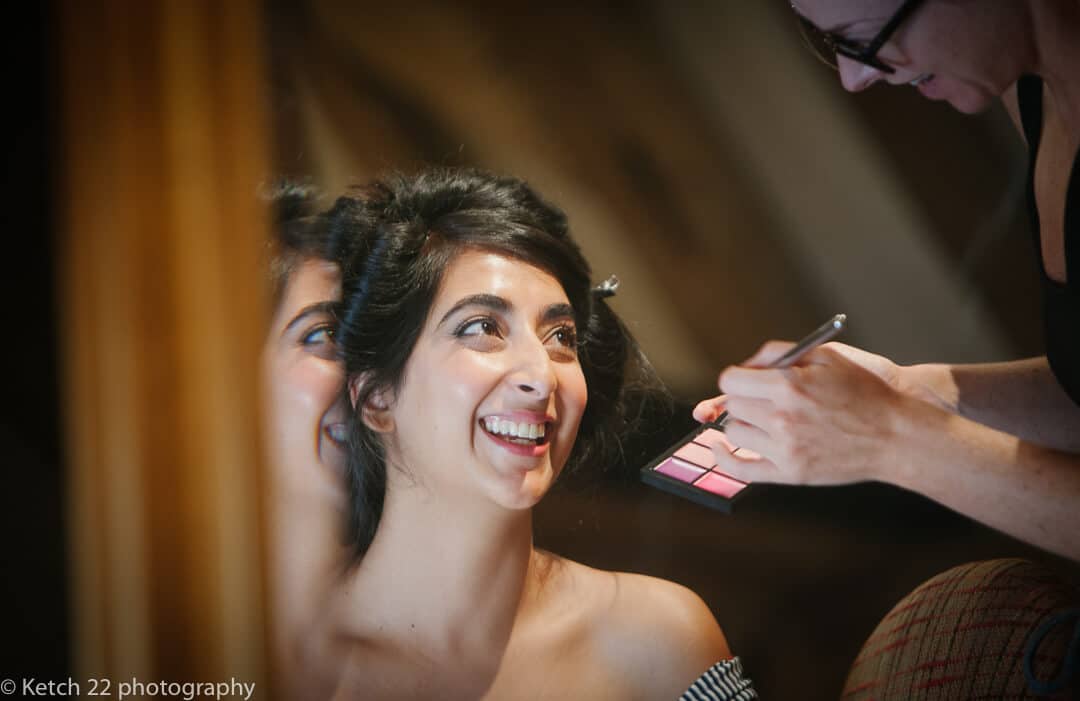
pixel 688 470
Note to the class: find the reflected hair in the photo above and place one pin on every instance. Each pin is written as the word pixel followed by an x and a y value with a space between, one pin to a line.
pixel 301 232
pixel 392 273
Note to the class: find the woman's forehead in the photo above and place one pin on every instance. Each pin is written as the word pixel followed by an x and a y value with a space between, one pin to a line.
pixel 491 272
pixel 313 277
pixel 311 280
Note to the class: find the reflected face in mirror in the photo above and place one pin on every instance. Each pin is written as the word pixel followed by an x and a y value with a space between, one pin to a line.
pixel 304 377
pixel 948 52
pixel 493 392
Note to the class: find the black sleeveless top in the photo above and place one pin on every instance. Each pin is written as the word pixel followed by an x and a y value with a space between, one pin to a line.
pixel 1061 302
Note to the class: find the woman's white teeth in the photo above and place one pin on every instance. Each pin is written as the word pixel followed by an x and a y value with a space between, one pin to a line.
pixel 921 79
pixel 513 429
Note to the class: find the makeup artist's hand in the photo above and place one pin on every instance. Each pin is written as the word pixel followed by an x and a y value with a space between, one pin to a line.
pixel 826 420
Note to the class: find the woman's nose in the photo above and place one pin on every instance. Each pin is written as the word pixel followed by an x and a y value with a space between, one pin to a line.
pixel 535 375
pixel 856 76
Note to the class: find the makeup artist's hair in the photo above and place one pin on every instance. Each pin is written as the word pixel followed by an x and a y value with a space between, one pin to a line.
pixel 390 278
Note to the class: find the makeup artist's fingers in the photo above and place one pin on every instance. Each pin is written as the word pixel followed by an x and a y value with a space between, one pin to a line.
pixel 822 355
pixel 877 364
pixel 825 423
pixel 746 440
pixel 790 388
pixel 709 409
pixel 720 443
pixel 769 352
pixel 757 412
pixel 744 464
pixel 836 427
pixel 833 353
pixel 759 383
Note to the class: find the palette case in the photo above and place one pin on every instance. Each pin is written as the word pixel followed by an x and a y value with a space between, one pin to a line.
pixel 687 469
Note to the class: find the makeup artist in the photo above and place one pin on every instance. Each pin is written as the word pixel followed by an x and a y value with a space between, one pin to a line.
pixel 998 442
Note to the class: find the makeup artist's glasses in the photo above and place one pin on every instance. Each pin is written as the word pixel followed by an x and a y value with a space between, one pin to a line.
pixel 827 46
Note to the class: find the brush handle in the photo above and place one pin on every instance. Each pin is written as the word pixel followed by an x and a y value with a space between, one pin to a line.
pixel 820 335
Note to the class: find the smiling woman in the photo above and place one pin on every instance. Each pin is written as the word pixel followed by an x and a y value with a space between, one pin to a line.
pixel 479 364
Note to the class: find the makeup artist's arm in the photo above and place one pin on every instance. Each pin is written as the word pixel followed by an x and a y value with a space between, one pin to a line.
pixel 833 420
pixel 1021 397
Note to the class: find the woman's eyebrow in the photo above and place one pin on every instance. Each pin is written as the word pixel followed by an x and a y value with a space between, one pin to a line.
pixel 327 307
pixel 493 302
pixel 557 312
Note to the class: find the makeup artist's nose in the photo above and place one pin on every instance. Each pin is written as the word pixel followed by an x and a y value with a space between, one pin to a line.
pixel 855 76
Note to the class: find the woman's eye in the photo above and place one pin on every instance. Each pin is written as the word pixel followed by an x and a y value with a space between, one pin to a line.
pixel 319 335
pixel 478 327
pixel 565 336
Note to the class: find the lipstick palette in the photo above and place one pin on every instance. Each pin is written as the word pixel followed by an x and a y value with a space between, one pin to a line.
pixel 687 469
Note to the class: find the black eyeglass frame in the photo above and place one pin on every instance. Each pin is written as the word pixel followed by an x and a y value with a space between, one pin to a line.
pixel 865 54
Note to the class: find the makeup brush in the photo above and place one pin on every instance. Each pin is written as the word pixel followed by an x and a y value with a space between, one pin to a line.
pixel 815 338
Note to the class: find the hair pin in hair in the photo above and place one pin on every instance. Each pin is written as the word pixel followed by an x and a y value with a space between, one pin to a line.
pixel 607 288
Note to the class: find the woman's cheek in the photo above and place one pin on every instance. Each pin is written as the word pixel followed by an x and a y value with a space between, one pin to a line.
pixel 476 377
pixel 573 397
pixel 317 383
pixel 579 391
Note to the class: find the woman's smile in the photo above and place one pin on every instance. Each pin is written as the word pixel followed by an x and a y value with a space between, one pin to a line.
pixel 521 433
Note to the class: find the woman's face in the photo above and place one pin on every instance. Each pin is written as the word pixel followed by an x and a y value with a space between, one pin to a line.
pixel 304 413
pixel 304 379
pixel 956 52
pixel 493 393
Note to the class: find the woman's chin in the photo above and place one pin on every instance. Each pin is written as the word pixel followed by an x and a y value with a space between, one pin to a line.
pixel 523 489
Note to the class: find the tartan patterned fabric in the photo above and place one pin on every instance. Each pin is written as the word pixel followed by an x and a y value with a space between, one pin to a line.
pixel 962 635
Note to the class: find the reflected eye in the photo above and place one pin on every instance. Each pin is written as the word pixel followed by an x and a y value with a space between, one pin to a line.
pixel 319 335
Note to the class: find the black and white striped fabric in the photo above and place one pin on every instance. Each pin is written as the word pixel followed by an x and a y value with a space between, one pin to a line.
pixel 723 681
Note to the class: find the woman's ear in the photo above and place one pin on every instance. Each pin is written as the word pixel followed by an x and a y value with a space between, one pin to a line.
pixel 375 413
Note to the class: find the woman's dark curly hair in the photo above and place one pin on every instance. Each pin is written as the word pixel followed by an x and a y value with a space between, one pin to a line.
pixel 406 230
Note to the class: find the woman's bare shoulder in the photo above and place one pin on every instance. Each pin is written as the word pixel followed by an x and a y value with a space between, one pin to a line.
pixel 656 635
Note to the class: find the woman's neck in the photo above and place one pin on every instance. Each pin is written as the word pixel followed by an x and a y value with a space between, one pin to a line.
pixel 445 575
